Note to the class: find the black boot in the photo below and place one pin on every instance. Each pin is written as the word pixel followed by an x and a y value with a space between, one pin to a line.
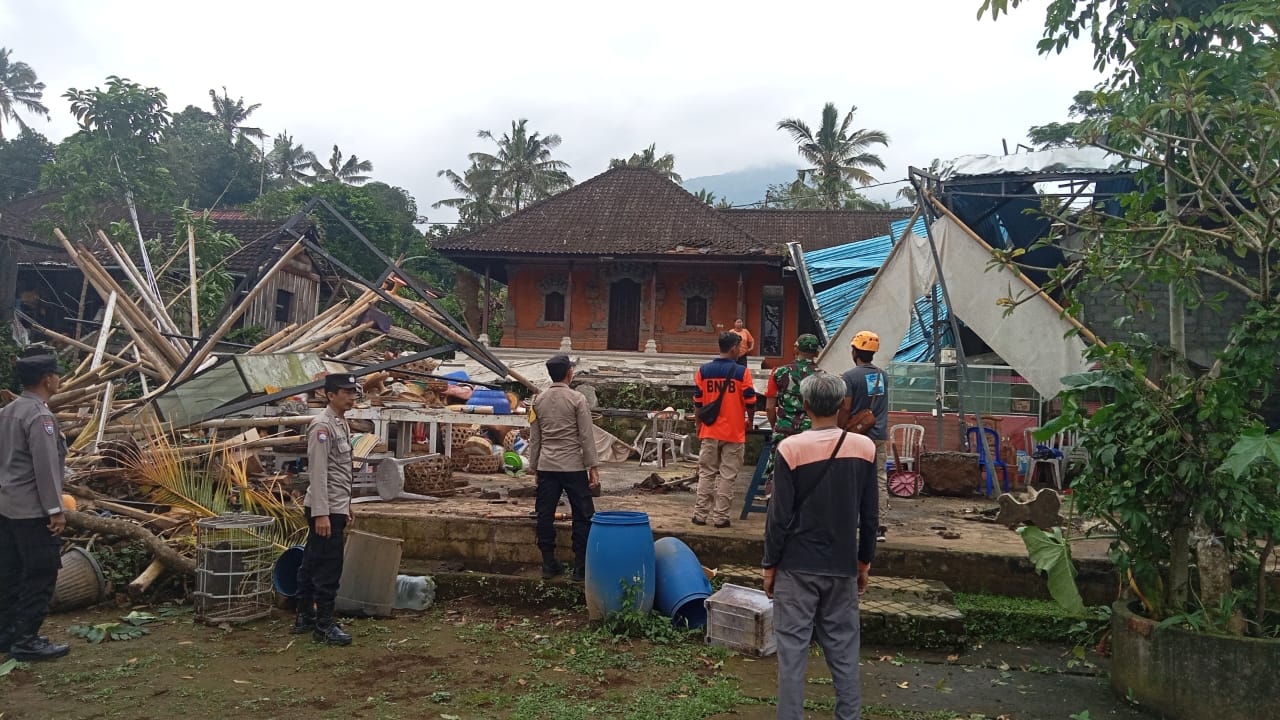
pixel 306 618
pixel 551 567
pixel 35 648
pixel 579 570
pixel 330 632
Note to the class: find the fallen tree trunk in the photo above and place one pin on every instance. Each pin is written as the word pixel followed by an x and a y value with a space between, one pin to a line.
pixel 120 528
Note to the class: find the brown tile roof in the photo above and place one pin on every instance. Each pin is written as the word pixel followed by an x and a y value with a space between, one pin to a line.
pixel 627 211
pixel 815 229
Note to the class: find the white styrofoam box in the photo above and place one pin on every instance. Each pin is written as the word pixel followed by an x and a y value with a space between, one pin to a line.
pixel 741 618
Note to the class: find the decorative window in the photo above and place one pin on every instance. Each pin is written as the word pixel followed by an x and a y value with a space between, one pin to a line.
pixel 284 306
pixel 695 311
pixel 553 307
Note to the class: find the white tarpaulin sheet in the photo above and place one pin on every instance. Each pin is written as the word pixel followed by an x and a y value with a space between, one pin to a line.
pixel 1056 160
pixel 1032 339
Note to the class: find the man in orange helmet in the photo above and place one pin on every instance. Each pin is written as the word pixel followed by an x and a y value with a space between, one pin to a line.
pixel 868 387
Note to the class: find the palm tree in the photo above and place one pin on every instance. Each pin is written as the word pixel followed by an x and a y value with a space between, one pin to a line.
pixel 18 87
pixel 838 154
pixel 476 204
pixel 232 115
pixel 339 170
pixel 288 162
pixel 706 196
pixel 648 158
pixel 523 170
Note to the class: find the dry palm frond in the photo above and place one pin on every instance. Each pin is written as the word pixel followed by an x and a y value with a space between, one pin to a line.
pixel 202 484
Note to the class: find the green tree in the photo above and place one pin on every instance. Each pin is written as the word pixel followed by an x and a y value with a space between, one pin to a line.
pixel 477 202
pixel 384 214
pixel 839 154
pixel 1192 96
pixel 664 165
pixel 523 170
pixel 19 88
pixel 208 171
pixel 342 170
pixel 803 194
pixel 232 115
pixel 290 164
pixel 1084 106
pixel 115 155
pixel 21 159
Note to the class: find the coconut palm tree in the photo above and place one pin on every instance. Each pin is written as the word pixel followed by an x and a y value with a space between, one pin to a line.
pixel 232 116
pixel 838 153
pixel 339 170
pixel 19 87
pixel 476 204
pixel 648 158
pixel 290 163
pixel 523 171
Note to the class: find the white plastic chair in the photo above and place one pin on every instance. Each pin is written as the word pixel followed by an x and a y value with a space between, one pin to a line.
pixel 907 439
pixel 1057 466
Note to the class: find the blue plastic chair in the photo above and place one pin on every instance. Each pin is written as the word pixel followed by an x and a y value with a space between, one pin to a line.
pixel 988 465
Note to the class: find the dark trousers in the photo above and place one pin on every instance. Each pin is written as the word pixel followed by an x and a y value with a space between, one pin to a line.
pixel 321 567
pixel 574 484
pixel 30 557
pixel 742 360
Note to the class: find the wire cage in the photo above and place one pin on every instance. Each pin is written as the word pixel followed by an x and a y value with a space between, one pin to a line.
pixel 234 558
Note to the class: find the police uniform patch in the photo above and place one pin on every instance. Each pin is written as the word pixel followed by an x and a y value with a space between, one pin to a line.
pixel 322 435
pixel 49 426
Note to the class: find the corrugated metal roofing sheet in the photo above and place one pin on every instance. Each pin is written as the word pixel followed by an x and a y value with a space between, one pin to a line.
pixel 844 272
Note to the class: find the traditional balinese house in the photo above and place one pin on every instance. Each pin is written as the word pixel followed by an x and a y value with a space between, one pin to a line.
pixel 629 261
pixel 50 288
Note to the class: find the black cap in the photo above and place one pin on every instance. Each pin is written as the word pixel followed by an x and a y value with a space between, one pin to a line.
pixel 561 361
pixel 340 381
pixel 39 365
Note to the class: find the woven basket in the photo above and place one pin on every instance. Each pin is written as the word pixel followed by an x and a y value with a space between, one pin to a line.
pixel 436 386
pixel 459 459
pixel 509 440
pixel 484 464
pixel 460 433
pixel 427 476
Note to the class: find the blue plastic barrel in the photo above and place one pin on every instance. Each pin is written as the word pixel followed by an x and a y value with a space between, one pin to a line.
pixel 284 576
pixel 682 586
pixel 620 563
pixel 495 399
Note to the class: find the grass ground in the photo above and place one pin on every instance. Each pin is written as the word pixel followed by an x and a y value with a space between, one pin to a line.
pixel 464 660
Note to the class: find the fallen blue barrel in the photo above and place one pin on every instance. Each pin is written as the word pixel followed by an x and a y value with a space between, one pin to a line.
pixel 284 576
pixel 620 563
pixel 682 586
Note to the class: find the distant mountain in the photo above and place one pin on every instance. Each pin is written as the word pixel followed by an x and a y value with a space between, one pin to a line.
pixel 742 186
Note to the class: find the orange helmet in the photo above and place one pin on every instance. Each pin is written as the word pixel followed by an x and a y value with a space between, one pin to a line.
pixel 866 340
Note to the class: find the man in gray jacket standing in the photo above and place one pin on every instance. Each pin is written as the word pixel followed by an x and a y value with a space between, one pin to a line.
pixel 32 451
pixel 562 453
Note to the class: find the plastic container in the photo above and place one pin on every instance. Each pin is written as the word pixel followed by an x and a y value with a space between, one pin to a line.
pixel 414 592
pixel 495 399
pixel 741 619
pixel 80 582
pixel 284 576
pixel 369 567
pixel 620 563
pixel 459 375
pixel 682 586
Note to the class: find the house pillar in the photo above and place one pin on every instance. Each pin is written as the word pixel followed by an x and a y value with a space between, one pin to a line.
pixel 742 301
pixel 652 345
pixel 566 342
pixel 484 311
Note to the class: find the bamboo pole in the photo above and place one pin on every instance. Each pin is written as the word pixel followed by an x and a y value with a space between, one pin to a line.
pixel 360 348
pixel 206 348
pixel 156 305
pixel 338 340
pixel 191 267
pixel 262 346
pixel 55 335
pixel 105 333
pixel 419 312
pixel 310 342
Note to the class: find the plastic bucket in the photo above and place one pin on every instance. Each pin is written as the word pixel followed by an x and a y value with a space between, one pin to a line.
pixel 682 586
pixel 284 576
pixel 620 563
pixel 80 582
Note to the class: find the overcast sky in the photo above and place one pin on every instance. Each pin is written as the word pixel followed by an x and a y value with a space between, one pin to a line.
pixel 407 84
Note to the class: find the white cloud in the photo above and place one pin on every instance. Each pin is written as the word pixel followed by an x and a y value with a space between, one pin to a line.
pixel 407 85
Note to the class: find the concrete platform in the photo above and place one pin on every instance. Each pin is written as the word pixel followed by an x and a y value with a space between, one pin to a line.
pixel 498 536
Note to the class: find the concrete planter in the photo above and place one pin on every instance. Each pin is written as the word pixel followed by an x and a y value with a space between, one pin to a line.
pixel 1185 675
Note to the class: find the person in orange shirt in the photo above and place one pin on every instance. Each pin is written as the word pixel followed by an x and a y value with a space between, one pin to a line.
pixel 748 342
pixel 723 438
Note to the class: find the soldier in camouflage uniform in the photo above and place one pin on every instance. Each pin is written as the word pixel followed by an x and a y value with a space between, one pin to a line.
pixel 783 405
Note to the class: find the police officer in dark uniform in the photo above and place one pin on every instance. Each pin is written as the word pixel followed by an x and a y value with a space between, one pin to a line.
pixel 32 451
pixel 328 508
